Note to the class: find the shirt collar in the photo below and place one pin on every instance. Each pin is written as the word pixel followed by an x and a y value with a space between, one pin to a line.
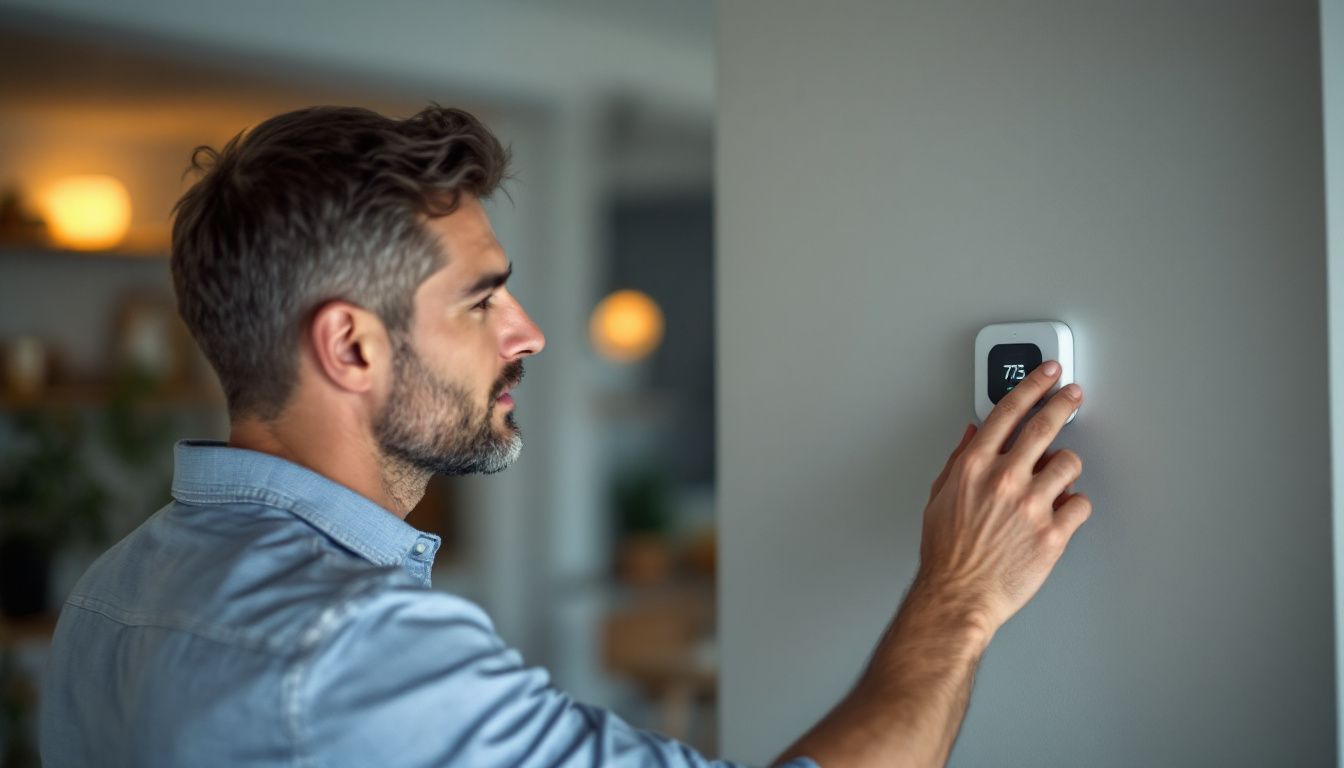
pixel 212 472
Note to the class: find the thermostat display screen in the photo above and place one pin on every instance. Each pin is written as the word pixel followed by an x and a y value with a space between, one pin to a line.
pixel 1009 364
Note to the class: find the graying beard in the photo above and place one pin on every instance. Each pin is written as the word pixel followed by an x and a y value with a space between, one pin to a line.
pixel 464 450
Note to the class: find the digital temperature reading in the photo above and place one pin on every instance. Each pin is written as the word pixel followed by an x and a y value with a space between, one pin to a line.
pixel 1011 363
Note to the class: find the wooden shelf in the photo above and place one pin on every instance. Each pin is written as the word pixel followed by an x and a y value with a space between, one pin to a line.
pixel 27 630
pixel 17 251
pixel 89 395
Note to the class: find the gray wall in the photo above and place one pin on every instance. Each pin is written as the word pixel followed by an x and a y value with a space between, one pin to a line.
pixel 1332 88
pixel 895 175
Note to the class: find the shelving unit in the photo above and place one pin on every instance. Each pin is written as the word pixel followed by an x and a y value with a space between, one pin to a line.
pixel 97 394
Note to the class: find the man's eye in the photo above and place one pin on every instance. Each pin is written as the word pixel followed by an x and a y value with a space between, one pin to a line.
pixel 484 303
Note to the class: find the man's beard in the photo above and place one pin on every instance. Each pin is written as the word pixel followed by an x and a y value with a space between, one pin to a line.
pixel 433 425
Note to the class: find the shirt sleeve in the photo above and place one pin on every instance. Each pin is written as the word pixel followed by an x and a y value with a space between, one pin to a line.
pixel 411 677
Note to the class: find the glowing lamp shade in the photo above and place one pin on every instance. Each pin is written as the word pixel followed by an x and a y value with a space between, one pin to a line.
pixel 626 326
pixel 88 213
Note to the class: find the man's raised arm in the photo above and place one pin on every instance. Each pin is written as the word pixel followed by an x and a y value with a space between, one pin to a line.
pixel 996 523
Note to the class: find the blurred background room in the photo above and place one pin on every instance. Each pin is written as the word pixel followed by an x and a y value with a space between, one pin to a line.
pixel 595 553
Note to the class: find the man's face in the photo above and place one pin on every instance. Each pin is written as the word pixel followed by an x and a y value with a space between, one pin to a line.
pixel 449 411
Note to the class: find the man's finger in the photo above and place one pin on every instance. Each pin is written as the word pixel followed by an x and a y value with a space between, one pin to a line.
pixel 947 468
pixel 1057 476
pixel 1013 407
pixel 1063 499
pixel 1044 427
pixel 1073 513
pixel 1041 462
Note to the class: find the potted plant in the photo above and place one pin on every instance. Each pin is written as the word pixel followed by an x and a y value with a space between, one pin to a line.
pixel 48 499
pixel 643 522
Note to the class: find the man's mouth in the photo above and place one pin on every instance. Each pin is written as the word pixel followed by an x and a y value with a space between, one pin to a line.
pixel 512 376
pixel 506 397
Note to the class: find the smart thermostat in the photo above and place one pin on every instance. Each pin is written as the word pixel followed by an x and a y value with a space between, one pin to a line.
pixel 1006 352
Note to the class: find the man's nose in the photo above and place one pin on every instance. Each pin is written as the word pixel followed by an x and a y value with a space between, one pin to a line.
pixel 525 338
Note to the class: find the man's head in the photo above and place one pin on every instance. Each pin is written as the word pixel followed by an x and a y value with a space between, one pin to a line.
pixel 331 259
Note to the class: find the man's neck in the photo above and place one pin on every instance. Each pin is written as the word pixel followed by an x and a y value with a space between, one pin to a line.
pixel 338 454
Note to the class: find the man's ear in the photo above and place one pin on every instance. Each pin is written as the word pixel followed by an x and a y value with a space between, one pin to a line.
pixel 349 344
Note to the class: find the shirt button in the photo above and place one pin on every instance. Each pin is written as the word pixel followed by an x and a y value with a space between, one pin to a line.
pixel 420 548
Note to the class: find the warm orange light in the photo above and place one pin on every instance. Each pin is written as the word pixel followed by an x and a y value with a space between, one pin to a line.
pixel 626 326
pixel 87 213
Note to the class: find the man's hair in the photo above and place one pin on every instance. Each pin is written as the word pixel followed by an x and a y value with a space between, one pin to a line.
pixel 310 206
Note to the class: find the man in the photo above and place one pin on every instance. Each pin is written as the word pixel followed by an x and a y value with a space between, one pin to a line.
pixel 339 272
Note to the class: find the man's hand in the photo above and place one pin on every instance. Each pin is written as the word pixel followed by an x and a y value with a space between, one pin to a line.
pixel 999 519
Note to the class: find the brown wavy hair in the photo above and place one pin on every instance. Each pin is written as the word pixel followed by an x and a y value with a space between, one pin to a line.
pixel 309 206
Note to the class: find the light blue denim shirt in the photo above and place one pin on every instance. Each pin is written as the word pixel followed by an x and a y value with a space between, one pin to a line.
pixel 271 617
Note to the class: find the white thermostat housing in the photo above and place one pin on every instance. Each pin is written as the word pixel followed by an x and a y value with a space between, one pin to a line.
pixel 1005 353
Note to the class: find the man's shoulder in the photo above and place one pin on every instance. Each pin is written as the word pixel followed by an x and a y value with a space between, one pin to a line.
pixel 243 575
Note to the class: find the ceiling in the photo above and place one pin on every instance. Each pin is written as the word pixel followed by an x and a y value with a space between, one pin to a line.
pixel 146 90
